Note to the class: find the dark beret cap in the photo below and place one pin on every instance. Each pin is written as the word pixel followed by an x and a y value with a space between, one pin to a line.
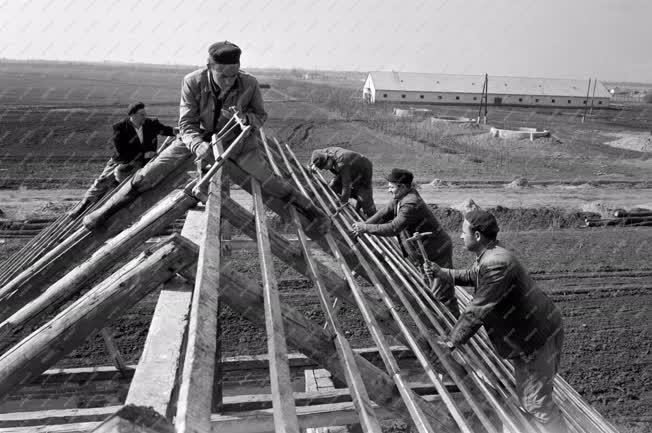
pixel 319 158
pixel 134 107
pixel 224 53
pixel 399 175
pixel 482 221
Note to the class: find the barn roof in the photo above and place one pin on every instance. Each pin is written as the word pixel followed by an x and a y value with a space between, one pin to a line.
pixel 423 82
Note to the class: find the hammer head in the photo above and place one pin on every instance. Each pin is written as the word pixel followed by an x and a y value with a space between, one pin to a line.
pixel 418 236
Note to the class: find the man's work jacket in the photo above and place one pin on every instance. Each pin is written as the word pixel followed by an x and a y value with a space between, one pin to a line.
pixel 201 107
pixel 406 216
pixel 127 145
pixel 518 317
pixel 350 168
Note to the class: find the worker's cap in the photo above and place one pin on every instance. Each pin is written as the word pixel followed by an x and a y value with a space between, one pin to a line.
pixel 319 159
pixel 224 53
pixel 400 175
pixel 134 107
pixel 483 222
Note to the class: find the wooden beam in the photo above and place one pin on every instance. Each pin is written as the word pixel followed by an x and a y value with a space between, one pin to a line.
pixel 112 348
pixel 196 392
pixel 232 404
pixel 285 417
pixel 104 303
pixel 31 282
pixel 255 421
pixel 318 380
pixel 111 252
pixel 155 377
pixel 135 419
pixel 229 363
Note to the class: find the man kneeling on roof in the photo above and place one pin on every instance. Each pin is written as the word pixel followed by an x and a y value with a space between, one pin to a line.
pixel 135 140
pixel 405 215
pixel 523 324
pixel 353 172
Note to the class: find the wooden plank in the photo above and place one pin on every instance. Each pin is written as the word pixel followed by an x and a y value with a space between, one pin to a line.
pixel 112 348
pixel 320 380
pixel 285 417
pixel 198 377
pixel 135 419
pixel 229 363
pixel 87 315
pixel 155 377
pixel 232 404
pixel 257 421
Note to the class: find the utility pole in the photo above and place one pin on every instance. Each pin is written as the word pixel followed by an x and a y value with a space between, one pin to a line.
pixel 595 81
pixel 483 99
pixel 586 101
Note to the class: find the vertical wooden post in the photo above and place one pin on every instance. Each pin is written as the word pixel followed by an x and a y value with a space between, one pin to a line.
pixel 595 81
pixel 586 105
pixel 285 416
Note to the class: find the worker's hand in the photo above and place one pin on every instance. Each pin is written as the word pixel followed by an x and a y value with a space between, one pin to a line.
pixel 313 168
pixel 175 130
pixel 203 150
pixel 431 269
pixel 359 228
pixel 149 155
pixel 454 351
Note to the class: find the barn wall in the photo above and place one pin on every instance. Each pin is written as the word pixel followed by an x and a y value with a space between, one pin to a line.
pixel 474 98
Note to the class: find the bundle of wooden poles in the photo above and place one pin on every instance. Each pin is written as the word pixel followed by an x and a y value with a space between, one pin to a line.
pixel 630 218
pixel 472 394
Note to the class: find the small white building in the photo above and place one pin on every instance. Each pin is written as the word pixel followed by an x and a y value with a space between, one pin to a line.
pixel 415 88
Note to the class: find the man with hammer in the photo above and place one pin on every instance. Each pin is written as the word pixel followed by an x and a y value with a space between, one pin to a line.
pixel 353 172
pixel 135 140
pixel 523 324
pixel 406 215
pixel 209 97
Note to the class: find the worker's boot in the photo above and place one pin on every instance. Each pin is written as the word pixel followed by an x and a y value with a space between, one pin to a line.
pixel 98 218
pixel 318 223
pixel 84 204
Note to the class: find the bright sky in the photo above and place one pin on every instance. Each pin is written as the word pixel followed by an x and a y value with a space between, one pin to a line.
pixel 608 39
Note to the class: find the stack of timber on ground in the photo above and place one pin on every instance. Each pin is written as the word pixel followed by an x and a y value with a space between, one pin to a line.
pixel 180 378
pixel 633 218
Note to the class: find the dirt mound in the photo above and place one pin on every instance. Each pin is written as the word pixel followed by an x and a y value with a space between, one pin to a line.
pixel 518 218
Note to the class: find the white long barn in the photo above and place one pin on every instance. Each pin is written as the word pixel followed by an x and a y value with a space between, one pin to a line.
pixel 415 88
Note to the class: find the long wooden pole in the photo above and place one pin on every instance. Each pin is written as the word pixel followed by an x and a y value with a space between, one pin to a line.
pixel 196 392
pixel 361 400
pixel 285 413
pixel 154 221
pixel 89 314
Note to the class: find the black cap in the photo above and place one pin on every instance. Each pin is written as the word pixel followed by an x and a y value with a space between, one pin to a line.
pixel 399 175
pixel 224 53
pixel 319 158
pixel 482 221
pixel 134 107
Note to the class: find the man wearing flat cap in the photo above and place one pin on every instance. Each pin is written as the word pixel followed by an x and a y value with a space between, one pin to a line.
pixel 209 96
pixel 353 172
pixel 523 324
pixel 135 140
pixel 405 215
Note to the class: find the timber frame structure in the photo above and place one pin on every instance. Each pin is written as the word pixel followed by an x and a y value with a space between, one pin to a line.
pixel 177 384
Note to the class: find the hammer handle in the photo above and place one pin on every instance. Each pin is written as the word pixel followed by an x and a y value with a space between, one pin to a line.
pixel 425 259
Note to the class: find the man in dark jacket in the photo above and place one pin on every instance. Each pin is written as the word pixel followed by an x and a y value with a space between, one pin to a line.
pixel 207 96
pixel 135 140
pixel 405 215
pixel 523 324
pixel 353 173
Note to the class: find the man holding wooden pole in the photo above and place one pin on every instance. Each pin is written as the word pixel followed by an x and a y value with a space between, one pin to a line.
pixel 209 97
pixel 405 215
pixel 523 324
